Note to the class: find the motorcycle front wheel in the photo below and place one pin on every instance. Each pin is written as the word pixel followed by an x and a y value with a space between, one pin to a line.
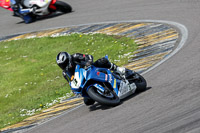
pixel 110 98
pixel 63 7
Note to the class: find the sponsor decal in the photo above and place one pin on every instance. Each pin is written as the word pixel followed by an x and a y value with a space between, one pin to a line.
pixel 72 77
pixel 110 78
pixel 98 73
pixel 106 77
pixel 115 83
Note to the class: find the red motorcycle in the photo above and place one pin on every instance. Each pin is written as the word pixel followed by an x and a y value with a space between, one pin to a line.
pixel 30 10
pixel 5 4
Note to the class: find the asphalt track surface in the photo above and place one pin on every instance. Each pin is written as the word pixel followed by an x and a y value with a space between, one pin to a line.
pixel 172 104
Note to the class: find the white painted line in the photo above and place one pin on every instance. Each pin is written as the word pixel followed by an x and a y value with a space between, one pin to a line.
pixel 50 119
pixel 184 36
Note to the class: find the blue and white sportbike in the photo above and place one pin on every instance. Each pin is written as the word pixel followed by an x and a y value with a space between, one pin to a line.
pixel 105 87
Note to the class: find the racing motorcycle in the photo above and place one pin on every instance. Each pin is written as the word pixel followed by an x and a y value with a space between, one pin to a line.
pixel 30 10
pixel 105 87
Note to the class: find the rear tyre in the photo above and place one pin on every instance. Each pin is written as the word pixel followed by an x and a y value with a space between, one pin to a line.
pixel 110 98
pixel 63 7
pixel 140 82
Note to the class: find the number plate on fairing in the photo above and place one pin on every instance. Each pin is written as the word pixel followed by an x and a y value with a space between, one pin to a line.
pixel 76 82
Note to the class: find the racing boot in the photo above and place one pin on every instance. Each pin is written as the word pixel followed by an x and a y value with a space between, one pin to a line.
pixel 120 70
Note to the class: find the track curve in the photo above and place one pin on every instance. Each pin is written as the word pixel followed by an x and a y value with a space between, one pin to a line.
pixel 173 102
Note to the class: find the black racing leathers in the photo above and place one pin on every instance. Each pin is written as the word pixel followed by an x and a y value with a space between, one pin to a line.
pixel 86 60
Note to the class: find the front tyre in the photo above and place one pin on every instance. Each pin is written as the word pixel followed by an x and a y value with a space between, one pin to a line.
pixel 63 7
pixel 110 98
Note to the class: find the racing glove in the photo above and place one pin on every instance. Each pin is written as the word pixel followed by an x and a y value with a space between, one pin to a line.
pixel 15 7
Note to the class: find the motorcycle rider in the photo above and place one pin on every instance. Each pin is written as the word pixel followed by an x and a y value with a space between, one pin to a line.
pixel 68 63
pixel 20 10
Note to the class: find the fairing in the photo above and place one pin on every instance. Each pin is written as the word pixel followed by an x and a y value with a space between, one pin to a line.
pixel 5 4
pixel 82 77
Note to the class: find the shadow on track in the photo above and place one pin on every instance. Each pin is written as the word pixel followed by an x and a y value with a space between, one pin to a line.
pixel 134 95
pixel 98 106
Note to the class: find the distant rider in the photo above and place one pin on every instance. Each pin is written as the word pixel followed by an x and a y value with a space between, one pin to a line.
pixel 68 63
pixel 20 10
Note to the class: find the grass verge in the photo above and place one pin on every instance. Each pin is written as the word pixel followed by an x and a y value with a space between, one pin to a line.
pixel 30 80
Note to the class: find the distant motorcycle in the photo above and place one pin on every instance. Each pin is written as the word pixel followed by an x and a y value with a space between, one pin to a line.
pixel 5 4
pixel 29 10
pixel 104 86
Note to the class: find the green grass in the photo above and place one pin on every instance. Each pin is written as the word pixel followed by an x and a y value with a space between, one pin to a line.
pixel 30 78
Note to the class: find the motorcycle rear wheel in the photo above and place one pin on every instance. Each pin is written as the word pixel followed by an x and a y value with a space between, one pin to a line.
pixel 140 83
pixel 95 95
pixel 63 7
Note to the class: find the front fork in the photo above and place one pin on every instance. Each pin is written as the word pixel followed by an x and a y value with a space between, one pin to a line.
pixel 105 90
